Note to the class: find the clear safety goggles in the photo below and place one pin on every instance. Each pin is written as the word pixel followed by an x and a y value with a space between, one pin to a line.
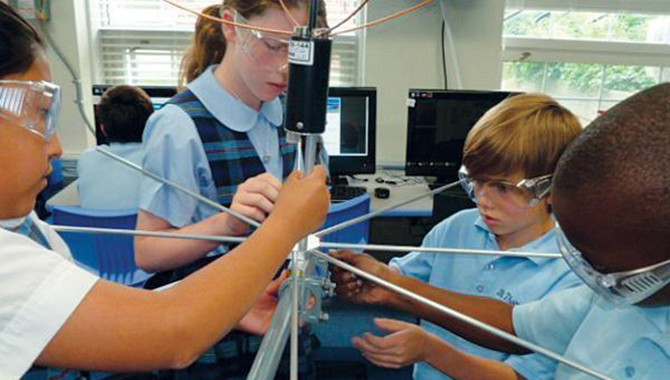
pixel 33 105
pixel 620 288
pixel 525 193
pixel 265 48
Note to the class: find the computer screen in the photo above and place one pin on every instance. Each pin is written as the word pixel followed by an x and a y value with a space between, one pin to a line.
pixel 159 96
pixel 438 122
pixel 350 133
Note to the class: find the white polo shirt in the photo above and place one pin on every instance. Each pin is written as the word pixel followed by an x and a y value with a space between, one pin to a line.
pixel 39 290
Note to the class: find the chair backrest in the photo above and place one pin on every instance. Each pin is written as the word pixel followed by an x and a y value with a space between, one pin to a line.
pixel 341 212
pixel 112 257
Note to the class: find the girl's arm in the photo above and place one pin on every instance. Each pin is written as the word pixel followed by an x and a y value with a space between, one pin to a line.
pixel 124 329
pixel 255 198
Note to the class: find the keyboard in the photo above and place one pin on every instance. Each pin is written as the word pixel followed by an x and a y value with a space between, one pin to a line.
pixel 344 193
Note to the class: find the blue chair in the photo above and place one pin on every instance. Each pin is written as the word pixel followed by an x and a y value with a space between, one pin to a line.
pixel 341 212
pixel 111 257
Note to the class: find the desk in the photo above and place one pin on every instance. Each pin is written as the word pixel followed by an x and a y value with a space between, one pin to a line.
pixel 422 208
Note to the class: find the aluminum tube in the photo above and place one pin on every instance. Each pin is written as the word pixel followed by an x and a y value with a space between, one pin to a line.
pixel 168 235
pixel 407 248
pixel 371 215
pixel 177 186
pixel 462 317
pixel 271 349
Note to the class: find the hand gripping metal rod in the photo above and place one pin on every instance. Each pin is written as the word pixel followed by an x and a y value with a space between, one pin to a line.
pixel 179 187
pixel 462 317
pixel 169 235
pixel 371 215
pixel 408 248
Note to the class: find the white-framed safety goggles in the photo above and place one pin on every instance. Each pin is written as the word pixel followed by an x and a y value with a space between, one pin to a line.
pixel 261 46
pixel 33 105
pixel 524 193
pixel 620 288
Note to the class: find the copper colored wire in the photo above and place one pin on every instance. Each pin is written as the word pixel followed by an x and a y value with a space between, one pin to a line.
pixel 228 22
pixel 289 14
pixel 387 18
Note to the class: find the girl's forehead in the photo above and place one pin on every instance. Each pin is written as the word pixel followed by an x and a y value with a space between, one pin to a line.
pixel 275 17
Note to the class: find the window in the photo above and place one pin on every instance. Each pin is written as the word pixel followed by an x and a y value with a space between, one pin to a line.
pixel 141 42
pixel 590 54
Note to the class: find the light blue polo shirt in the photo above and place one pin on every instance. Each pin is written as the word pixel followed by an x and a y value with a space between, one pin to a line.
pixel 106 184
pixel 626 343
pixel 515 280
pixel 173 150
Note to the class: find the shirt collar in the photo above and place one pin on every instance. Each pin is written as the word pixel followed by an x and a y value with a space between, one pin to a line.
pixel 538 245
pixel 229 110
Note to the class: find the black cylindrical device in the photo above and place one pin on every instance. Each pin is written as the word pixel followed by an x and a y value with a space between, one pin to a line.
pixel 309 72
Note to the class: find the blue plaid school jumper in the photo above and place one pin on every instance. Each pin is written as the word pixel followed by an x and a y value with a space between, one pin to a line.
pixel 232 160
pixel 231 155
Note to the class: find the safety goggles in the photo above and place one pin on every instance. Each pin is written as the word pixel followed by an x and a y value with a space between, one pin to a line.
pixel 263 47
pixel 33 105
pixel 524 193
pixel 620 288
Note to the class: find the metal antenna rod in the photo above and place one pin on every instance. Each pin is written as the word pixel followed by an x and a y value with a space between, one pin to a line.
pixel 408 248
pixel 179 187
pixel 462 317
pixel 371 215
pixel 169 235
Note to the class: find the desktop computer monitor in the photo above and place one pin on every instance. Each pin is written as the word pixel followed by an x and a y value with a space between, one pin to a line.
pixel 350 133
pixel 159 96
pixel 438 122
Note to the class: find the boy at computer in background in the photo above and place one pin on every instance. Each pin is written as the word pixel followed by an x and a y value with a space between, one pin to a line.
pixel 612 201
pixel 509 158
pixel 104 183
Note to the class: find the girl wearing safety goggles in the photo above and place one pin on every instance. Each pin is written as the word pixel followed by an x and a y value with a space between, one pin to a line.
pixel 222 136
pixel 56 314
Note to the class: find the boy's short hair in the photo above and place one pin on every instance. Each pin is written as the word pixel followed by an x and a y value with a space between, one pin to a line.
pixel 124 110
pixel 524 133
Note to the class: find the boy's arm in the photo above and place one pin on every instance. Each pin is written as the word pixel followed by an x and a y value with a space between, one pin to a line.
pixel 123 329
pixel 487 310
pixel 408 344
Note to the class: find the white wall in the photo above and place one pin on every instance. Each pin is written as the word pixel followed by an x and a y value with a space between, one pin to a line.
pixel 401 54
pixel 69 29
pixel 405 53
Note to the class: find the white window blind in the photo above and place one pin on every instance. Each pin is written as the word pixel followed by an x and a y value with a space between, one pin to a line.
pixel 141 42
pixel 588 54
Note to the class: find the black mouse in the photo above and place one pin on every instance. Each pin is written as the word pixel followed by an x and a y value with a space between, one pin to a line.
pixel 382 192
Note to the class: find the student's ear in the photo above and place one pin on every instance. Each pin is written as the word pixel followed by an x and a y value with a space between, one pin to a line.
pixel 550 203
pixel 103 129
pixel 229 31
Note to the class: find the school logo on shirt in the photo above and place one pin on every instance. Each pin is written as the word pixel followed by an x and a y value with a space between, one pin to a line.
pixel 506 296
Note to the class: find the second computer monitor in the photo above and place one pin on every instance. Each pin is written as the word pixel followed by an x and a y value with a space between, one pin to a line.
pixel 349 138
pixel 437 124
